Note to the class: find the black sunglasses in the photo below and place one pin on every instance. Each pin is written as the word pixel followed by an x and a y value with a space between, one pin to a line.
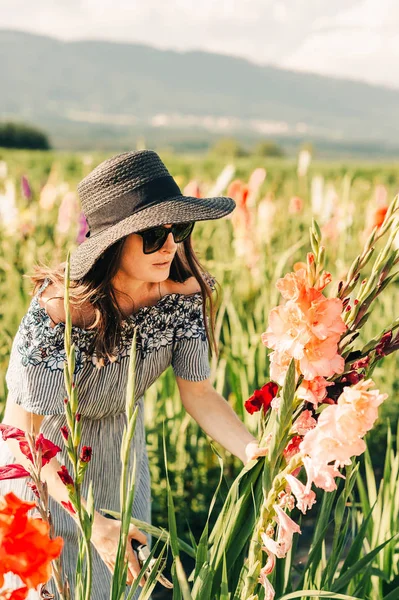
pixel 155 237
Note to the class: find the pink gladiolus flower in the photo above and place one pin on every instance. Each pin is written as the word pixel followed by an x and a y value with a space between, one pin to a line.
pixel 327 442
pixel 321 475
pixel 270 563
pixel 273 547
pixel 287 528
pixel 305 499
pixel 14 471
pixel 26 191
pixel 269 589
pixel 304 423
pixel 83 228
pixel 365 403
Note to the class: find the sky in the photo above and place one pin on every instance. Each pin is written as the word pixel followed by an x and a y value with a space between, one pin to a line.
pixel 356 39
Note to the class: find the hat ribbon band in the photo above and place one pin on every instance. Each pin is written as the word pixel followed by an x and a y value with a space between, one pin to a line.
pixel 149 194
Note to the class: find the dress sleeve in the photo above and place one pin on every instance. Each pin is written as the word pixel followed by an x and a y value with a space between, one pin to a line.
pixel 190 359
pixel 35 374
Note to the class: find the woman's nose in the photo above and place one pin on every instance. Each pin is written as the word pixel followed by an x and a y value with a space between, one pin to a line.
pixel 170 243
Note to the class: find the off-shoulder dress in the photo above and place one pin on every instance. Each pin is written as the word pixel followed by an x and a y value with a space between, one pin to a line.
pixel 171 332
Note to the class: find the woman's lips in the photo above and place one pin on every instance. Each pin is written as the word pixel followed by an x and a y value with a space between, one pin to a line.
pixel 164 264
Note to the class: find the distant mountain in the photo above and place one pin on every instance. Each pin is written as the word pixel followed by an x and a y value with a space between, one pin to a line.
pixel 99 86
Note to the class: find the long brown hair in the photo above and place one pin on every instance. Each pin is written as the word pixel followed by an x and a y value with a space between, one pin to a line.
pixel 95 287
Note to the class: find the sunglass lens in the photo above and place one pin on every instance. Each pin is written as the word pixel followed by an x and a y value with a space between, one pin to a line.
pixel 182 231
pixel 154 239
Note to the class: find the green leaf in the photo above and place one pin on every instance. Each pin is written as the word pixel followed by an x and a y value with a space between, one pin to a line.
pixel 317 594
pixel 224 588
pixel 185 588
pixel 357 544
pixel 343 580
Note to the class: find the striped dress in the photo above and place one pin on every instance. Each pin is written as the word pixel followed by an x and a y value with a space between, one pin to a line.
pixel 171 332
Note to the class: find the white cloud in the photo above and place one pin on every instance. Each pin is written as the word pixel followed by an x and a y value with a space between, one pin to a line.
pixel 361 42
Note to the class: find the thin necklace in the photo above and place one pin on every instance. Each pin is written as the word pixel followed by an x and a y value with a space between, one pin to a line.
pixel 159 287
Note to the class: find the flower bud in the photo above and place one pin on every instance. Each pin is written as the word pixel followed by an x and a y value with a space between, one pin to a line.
pixel 85 454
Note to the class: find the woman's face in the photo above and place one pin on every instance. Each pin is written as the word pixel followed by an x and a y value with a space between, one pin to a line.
pixel 145 267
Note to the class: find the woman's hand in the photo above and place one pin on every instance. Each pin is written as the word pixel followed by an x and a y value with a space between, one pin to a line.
pixel 105 538
pixel 253 451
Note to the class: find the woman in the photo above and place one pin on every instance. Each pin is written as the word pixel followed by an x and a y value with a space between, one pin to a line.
pixel 136 270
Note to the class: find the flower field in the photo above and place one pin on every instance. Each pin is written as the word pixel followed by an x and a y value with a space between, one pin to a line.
pixel 268 267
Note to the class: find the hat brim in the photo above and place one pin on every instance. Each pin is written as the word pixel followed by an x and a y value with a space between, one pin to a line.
pixel 174 210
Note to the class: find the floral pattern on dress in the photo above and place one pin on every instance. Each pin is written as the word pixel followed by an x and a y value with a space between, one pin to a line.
pixel 173 317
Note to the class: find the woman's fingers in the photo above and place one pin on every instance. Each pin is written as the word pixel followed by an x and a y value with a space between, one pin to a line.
pixel 137 534
pixel 134 565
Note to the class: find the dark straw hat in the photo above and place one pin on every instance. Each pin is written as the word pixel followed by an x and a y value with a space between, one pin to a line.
pixel 130 192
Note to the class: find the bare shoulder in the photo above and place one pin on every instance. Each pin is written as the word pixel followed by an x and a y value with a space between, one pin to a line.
pixel 190 286
pixel 52 300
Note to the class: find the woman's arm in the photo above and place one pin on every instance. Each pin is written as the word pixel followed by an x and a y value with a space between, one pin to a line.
pixel 216 417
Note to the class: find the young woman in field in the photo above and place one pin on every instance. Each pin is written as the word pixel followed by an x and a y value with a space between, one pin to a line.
pixel 137 269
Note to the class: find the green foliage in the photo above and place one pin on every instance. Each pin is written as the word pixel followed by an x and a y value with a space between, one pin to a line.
pixel 268 148
pixel 18 135
pixel 228 147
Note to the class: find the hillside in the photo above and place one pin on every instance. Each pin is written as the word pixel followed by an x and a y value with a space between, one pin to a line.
pixel 118 86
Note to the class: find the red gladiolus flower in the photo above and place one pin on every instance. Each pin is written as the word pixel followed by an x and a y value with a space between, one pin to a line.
pixel 26 548
pixel 69 506
pixel 65 476
pixel 49 450
pixel 85 454
pixel 292 447
pixel 65 432
pixel 14 471
pixel 9 432
pixel 33 487
pixel 261 398
pixel 384 342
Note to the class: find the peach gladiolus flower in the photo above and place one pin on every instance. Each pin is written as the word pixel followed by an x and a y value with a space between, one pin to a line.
pixel 279 363
pixel 25 546
pixel 379 216
pixel 287 331
pixel 192 189
pixel 304 498
pixel 269 589
pixel 314 390
pixel 321 358
pixel 304 423
pixel 239 191
pixel 295 205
